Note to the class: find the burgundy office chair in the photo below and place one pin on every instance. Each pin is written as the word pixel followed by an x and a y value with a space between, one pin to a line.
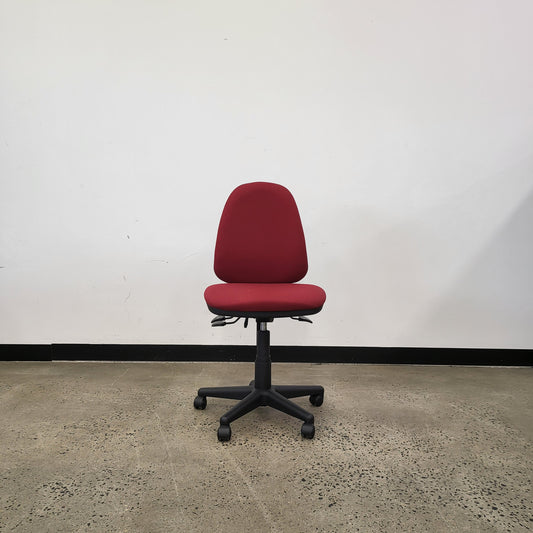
pixel 260 253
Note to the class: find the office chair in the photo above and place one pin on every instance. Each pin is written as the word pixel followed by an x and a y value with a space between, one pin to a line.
pixel 260 254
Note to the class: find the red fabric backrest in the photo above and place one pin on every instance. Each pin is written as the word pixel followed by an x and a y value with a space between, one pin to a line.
pixel 260 237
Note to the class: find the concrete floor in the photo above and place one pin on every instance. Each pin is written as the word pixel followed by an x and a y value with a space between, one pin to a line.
pixel 119 447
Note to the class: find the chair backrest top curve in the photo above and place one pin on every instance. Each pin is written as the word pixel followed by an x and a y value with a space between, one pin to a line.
pixel 260 236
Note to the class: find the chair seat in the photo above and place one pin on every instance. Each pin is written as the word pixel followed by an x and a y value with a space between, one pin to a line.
pixel 264 297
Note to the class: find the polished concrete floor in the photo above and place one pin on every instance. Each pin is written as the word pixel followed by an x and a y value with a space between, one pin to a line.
pixel 118 447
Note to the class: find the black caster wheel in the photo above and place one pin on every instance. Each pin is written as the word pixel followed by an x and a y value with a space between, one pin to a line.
pixel 200 402
pixel 308 430
pixel 224 433
pixel 316 399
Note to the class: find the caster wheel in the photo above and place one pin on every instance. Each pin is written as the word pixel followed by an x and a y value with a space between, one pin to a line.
pixel 308 430
pixel 316 399
pixel 224 433
pixel 200 402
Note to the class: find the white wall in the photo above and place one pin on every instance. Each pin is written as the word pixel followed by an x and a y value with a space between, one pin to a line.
pixel 403 128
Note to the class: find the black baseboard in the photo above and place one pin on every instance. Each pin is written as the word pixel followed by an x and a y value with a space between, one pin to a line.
pixel 286 354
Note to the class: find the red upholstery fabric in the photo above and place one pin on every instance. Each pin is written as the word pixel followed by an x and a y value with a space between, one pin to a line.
pixel 260 237
pixel 251 297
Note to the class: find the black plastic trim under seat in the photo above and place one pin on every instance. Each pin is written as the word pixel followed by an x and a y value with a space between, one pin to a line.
pixel 264 314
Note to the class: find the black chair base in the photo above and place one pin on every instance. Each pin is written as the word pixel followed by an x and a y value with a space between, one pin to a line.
pixel 251 398
pixel 260 392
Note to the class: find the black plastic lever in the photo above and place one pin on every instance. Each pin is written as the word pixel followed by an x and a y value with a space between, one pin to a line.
pixel 302 319
pixel 223 320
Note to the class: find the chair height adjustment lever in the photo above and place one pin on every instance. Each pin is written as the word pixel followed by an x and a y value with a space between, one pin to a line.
pixel 223 320
pixel 302 319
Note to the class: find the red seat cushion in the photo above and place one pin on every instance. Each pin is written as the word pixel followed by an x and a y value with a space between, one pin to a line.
pixel 261 297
